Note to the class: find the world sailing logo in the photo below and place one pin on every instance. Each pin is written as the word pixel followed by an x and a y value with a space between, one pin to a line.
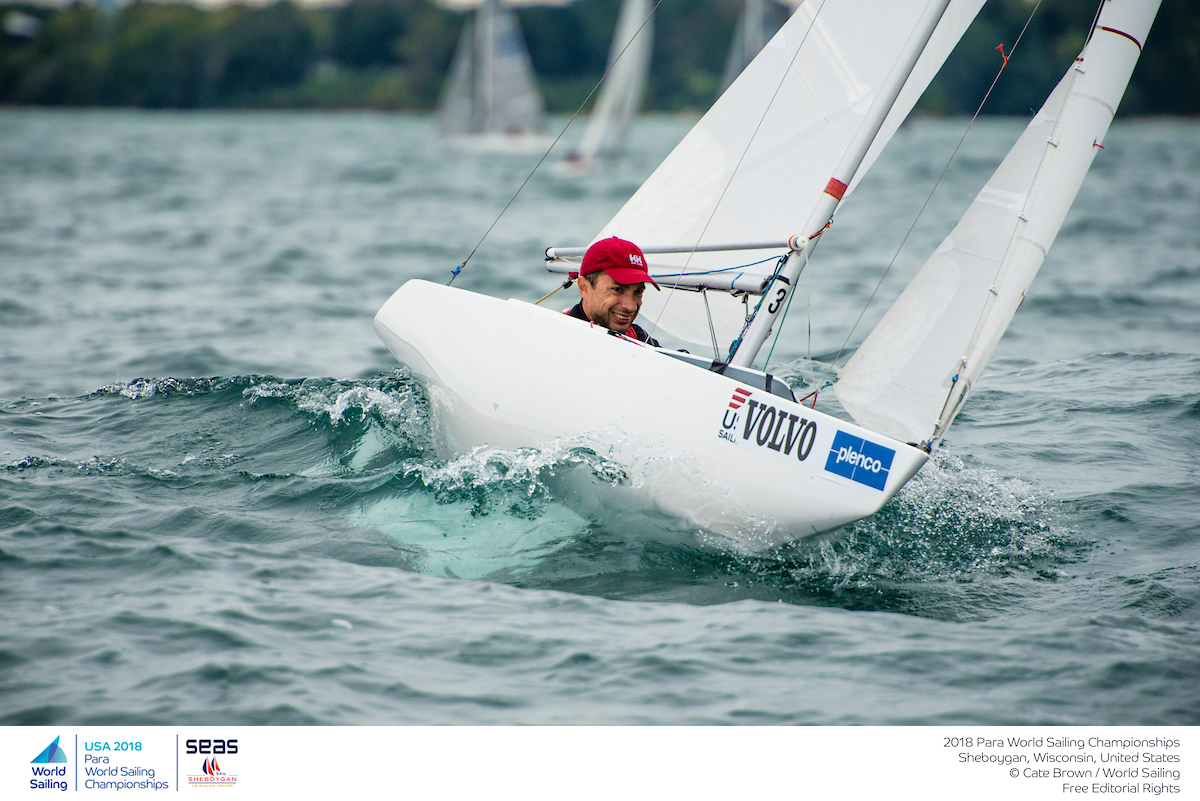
pixel 52 753
pixel 44 778
pixel 860 460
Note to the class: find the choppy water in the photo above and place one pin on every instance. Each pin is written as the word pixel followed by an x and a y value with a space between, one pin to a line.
pixel 219 501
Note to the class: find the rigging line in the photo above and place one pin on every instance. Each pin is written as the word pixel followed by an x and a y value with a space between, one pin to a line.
pixel 929 197
pixel 565 284
pixel 779 87
pixel 1095 19
pixel 550 149
pixel 812 374
pixel 712 331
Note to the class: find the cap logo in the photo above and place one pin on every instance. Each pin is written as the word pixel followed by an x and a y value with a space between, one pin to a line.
pixel 636 259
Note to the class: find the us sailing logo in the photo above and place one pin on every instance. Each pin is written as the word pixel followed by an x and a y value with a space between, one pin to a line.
pixel 860 460
pixel 47 778
pixel 768 427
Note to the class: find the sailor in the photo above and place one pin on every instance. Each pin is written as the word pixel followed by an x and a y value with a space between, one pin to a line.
pixel 612 279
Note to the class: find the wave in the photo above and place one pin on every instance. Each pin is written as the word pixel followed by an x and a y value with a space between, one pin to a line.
pixel 348 468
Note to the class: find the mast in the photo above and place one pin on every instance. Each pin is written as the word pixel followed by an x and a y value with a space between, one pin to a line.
pixel 776 295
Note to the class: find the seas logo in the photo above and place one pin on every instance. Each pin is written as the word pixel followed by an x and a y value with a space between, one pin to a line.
pixel 47 778
pixel 768 427
pixel 860 460
pixel 210 774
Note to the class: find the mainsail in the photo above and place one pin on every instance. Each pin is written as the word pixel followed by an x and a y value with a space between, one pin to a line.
pixel 914 370
pixel 621 96
pixel 750 173
pixel 491 89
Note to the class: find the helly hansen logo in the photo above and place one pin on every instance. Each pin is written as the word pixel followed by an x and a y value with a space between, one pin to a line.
pixel 774 429
pixel 859 460
pixel 636 260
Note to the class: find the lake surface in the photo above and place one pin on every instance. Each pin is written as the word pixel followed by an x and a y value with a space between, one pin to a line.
pixel 219 501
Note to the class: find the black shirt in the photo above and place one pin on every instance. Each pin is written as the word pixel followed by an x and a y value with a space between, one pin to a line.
pixel 635 330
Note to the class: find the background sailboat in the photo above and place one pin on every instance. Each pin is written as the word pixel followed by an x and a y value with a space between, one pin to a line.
pixel 621 95
pixel 491 102
pixel 759 21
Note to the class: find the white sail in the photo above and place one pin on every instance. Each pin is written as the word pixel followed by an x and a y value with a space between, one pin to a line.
pixel 911 374
pixel 621 96
pixel 492 90
pixel 757 163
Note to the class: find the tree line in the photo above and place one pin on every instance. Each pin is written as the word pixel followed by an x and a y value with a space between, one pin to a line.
pixel 393 55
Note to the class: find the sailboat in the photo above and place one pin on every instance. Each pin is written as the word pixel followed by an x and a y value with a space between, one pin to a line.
pixel 491 103
pixel 754 29
pixel 727 223
pixel 621 95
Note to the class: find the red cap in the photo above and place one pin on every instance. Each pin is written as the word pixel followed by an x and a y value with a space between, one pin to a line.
pixel 622 260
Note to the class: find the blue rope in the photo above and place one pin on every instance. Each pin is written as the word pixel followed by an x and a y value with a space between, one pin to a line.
pixel 667 276
pixel 738 342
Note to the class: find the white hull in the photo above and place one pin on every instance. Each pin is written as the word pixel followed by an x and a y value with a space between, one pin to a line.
pixel 717 453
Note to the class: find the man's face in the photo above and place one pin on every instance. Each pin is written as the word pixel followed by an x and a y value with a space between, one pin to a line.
pixel 612 305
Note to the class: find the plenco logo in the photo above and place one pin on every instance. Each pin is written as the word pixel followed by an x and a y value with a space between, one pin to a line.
pixel 774 429
pixel 860 460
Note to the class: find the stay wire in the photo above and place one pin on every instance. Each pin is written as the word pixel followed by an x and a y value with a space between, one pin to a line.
pixel 929 197
pixel 549 150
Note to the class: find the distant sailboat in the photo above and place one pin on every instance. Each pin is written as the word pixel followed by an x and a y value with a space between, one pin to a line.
pixel 492 102
pixel 754 29
pixel 621 96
